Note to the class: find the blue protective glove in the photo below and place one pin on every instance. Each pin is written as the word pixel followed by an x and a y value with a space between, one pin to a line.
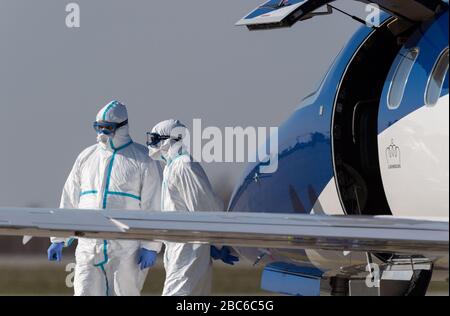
pixel 223 254
pixel 146 258
pixel 54 252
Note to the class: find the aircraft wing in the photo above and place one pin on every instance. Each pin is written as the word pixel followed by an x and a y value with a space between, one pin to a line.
pixel 268 230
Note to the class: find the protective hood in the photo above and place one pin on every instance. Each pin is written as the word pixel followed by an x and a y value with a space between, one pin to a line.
pixel 168 149
pixel 115 112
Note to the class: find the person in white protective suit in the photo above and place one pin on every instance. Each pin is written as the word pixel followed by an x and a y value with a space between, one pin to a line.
pixel 115 173
pixel 185 188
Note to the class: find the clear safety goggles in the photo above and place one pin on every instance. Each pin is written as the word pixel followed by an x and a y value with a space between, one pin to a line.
pixel 108 128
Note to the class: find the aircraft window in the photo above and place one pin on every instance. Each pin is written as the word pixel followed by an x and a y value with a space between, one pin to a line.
pixel 437 78
pixel 400 78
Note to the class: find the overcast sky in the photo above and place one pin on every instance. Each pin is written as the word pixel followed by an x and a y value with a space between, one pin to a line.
pixel 164 59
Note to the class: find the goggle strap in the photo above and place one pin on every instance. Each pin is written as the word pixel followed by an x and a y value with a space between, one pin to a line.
pixel 122 124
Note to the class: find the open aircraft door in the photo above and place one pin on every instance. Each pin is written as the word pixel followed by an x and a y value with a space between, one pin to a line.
pixel 285 13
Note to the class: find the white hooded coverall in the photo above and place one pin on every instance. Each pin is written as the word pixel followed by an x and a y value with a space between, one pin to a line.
pixel 185 188
pixel 118 174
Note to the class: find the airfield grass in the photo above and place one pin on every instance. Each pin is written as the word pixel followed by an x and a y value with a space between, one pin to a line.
pixel 34 275
pixel 45 280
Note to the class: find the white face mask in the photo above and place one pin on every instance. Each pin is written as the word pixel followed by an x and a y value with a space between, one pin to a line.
pixel 159 153
pixel 103 139
pixel 155 153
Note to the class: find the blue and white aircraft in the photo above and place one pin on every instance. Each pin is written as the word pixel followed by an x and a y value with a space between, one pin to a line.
pixel 359 204
pixel 373 140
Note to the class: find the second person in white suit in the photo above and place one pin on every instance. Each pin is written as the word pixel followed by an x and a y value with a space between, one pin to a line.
pixel 185 188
